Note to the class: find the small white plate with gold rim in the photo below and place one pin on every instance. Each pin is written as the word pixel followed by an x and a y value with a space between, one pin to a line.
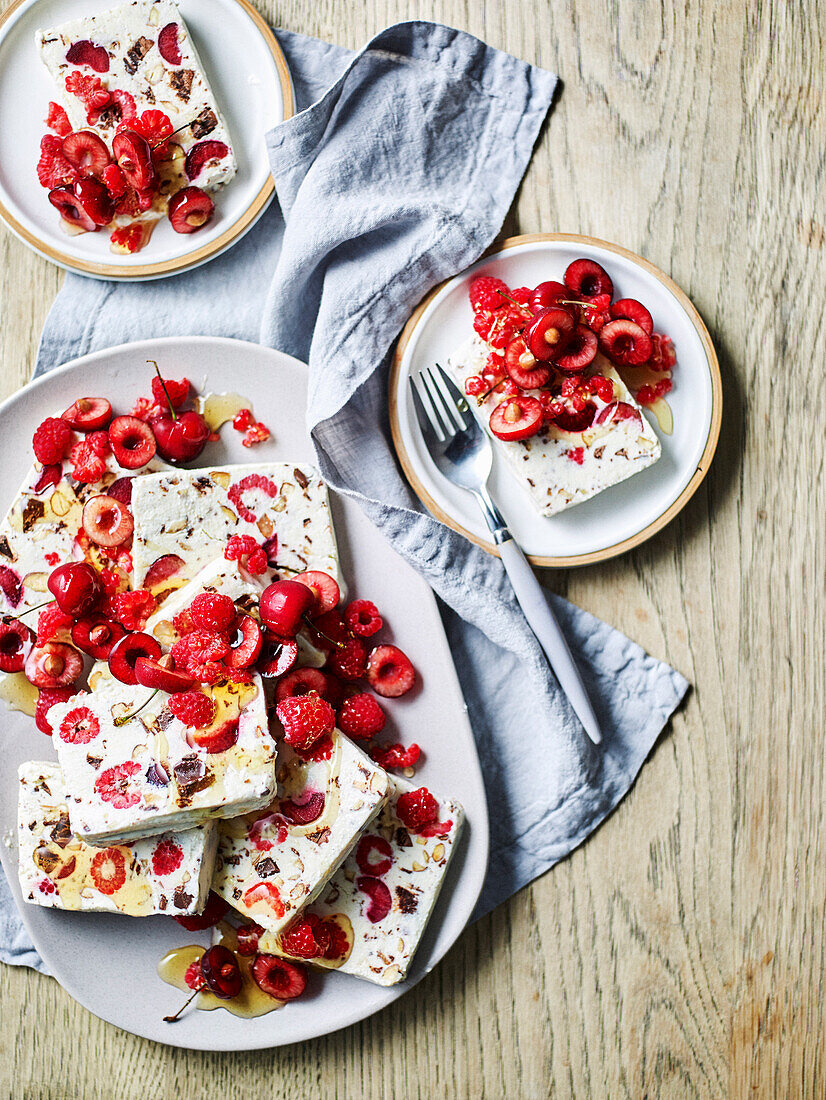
pixel 108 962
pixel 621 517
pixel 249 76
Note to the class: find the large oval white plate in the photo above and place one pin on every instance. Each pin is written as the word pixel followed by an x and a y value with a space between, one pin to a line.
pixel 108 962
pixel 621 517
pixel 249 76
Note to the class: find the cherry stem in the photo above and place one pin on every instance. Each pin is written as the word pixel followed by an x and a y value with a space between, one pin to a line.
pixel 163 385
pixel 187 1002
pixel 513 301
pixel 124 718
pixel 326 637
pixel 163 141
pixel 28 611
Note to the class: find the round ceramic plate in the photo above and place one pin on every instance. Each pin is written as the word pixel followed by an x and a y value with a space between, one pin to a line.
pixel 248 74
pixel 108 963
pixel 620 517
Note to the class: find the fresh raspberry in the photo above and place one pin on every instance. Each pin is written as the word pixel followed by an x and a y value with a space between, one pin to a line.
pixel 350 662
pixel 305 718
pixel 58 120
pixel 396 756
pixel 50 622
pixel 361 716
pixel 108 870
pixel 212 611
pixel 416 809
pixel 87 457
pixel 132 609
pixel 362 617
pixel 475 385
pixel 155 126
pixel 183 622
pixel 53 170
pixel 646 395
pixel 266 892
pixel 242 420
pixel 116 186
pixel 15 643
pixel 113 785
pixel 576 454
pixel 596 313
pixel 167 857
pixel 193 708
pixel 46 699
pixel 46 887
pixel 89 90
pixel 307 938
pixel 198 655
pixel 52 559
pixel 193 976
pixel 144 407
pixel 321 750
pixel 79 727
pixel 257 433
pixel 250 482
pixel 436 828
pixel 244 549
pixel 484 293
pixel 663 357
pixel 663 387
pixel 178 391
pixel 339 943
pixel 497 328
pixel 603 387
pixel 247 936
pixel 52 440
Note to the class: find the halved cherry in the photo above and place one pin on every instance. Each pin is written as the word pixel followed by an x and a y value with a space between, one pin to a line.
pixel 84 52
pixel 95 200
pixel 88 414
pixel 85 150
pixel 305 807
pixel 217 740
pixel 168 46
pixel 162 569
pixel 203 154
pixel 133 155
pixel 617 411
pixel 629 309
pixel 221 972
pixel 121 489
pixel 133 442
pixel 97 636
pixel 572 419
pixel 549 332
pixel 190 209
pixel 580 350
pixel 126 652
pixel 107 521
pixel 65 201
pixel 625 342
pixel 324 587
pixel 301 681
pixel 589 278
pixel 53 665
pixel 154 674
pixel 550 294
pixel 516 418
pixel 523 367
pixel 245 645
pixel 15 643
pixel 278 655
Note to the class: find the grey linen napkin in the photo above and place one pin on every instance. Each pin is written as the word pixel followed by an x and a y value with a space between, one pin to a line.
pixel 392 178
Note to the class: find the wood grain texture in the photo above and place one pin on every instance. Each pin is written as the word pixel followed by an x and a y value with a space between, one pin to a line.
pixel 680 951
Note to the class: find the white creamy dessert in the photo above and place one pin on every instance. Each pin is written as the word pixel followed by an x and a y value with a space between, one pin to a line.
pixel 167 874
pixel 559 468
pixel 269 867
pixel 143 50
pixel 193 514
pixel 227 578
pixel 149 774
pixel 40 532
pixel 381 950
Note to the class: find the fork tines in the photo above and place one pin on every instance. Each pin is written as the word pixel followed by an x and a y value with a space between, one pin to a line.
pixel 440 406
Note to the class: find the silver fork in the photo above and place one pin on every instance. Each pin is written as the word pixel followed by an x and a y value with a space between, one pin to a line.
pixel 463 453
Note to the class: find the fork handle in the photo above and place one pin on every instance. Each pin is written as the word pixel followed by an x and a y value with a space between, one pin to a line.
pixel 540 615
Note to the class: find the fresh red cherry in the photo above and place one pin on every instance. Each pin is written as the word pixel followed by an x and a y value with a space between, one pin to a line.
pixel 190 210
pixel 221 972
pixel 88 414
pixel 85 150
pixel 134 158
pixel 182 438
pixel 282 606
pixel 76 587
pixel 125 654
pixel 66 202
pixel 97 636
pixel 156 674
pixel 53 665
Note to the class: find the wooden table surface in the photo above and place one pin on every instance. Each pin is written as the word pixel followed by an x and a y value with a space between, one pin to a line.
pixel 680 951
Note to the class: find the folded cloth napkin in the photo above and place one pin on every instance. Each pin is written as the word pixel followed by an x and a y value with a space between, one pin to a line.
pixel 391 178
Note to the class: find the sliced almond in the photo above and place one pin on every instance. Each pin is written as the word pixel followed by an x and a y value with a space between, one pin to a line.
pixel 59 503
pixel 154 74
pixel 37 582
pixel 438 853
pixel 418 866
pixel 265 526
pixel 230 515
pixel 153 18
pixel 222 477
